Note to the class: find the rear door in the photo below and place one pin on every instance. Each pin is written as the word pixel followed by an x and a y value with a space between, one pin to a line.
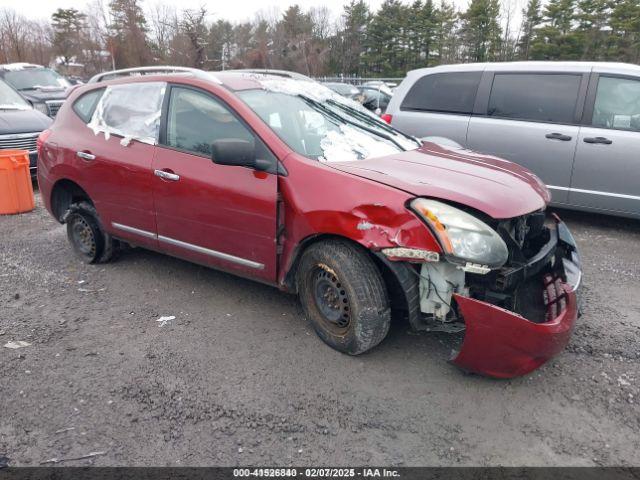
pixel 607 166
pixel 531 118
pixel 218 215
pixel 438 105
pixel 114 156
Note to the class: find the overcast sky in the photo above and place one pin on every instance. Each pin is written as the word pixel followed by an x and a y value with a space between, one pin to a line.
pixel 234 11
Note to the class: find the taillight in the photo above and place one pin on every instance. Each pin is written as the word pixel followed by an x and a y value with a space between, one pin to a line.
pixel 387 117
pixel 42 138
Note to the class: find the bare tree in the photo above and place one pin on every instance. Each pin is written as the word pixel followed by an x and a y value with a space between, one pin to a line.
pixel 163 21
pixel 321 20
pixel 194 28
pixel 14 34
pixel 509 41
pixel 99 51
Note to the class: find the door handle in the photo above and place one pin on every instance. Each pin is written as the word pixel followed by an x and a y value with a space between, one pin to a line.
pixel 558 136
pixel 85 155
pixel 602 140
pixel 167 175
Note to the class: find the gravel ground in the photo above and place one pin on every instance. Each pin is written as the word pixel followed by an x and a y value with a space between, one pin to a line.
pixel 239 377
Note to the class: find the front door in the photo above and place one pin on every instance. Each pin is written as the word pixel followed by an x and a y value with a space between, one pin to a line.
pixel 218 215
pixel 607 167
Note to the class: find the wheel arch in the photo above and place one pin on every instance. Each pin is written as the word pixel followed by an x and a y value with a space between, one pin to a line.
pixel 64 193
pixel 401 284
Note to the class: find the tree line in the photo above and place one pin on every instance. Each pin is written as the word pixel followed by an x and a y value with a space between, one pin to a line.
pixel 388 42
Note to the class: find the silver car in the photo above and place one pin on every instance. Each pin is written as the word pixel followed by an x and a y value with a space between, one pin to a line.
pixel 575 124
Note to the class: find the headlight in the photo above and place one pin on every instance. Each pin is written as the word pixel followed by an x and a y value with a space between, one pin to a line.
pixel 42 108
pixel 462 235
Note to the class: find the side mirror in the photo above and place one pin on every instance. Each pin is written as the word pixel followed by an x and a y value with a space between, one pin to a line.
pixel 234 151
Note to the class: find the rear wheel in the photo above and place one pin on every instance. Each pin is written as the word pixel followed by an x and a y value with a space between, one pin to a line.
pixel 90 243
pixel 344 296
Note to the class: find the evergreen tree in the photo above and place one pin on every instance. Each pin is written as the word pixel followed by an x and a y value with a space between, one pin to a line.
pixel 386 40
pixel 592 17
pixel 259 56
pixel 531 19
pixel 295 32
pixel 220 47
pixel 356 17
pixel 625 31
pixel 446 33
pixel 128 34
pixel 68 26
pixel 426 30
pixel 481 30
pixel 556 39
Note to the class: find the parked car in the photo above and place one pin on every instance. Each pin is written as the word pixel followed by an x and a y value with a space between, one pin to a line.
pixel 374 99
pixel 576 125
pixel 387 87
pixel 75 80
pixel 20 124
pixel 42 87
pixel 344 89
pixel 285 182
pixel 277 73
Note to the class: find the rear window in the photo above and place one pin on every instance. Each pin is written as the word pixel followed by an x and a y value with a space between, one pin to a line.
pixel 536 97
pixel 86 104
pixel 453 92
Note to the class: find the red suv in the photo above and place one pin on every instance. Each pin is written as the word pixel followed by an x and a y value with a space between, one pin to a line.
pixel 285 182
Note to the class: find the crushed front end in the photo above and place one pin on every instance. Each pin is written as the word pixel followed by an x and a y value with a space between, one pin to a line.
pixel 521 315
pixel 515 316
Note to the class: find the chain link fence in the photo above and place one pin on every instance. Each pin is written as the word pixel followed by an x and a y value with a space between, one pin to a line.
pixel 353 80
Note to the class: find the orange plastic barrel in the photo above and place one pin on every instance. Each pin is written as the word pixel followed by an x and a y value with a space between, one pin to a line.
pixel 16 191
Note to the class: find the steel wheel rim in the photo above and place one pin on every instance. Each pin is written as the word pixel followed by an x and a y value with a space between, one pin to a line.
pixel 83 237
pixel 331 299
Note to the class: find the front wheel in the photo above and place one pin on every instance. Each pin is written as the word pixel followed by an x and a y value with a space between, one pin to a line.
pixel 343 296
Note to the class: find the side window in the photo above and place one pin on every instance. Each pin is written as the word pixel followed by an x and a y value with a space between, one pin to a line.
pixel 86 104
pixel 195 120
pixel 131 110
pixel 536 97
pixel 453 92
pixel 617 104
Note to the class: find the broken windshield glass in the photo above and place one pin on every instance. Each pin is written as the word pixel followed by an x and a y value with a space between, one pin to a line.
pixel 318 123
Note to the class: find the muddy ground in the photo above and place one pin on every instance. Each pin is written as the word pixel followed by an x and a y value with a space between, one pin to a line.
pixel 239 377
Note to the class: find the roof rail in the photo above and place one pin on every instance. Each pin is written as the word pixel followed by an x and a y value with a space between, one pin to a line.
pixel 150 70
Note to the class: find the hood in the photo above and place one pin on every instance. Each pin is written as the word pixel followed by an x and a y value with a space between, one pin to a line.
pixel 38 95
pixel 495 186
pixel 22 121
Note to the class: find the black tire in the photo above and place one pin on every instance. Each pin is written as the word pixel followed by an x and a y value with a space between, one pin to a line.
pixel 89 241
pixel 343 295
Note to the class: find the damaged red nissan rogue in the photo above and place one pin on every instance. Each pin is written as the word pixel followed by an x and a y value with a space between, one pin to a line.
pixel 287 183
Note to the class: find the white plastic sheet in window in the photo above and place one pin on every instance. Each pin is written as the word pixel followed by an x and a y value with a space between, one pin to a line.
pixel 131 110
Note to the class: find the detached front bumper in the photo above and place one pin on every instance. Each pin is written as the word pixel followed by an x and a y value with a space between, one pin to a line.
pixel 503 344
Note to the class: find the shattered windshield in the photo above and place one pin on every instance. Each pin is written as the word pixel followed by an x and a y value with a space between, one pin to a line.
pixel 10 99
pixel 36 78
pixel 320 124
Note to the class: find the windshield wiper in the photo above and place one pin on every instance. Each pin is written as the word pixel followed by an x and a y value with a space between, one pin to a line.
pixel 49 88
pixel 328 111
pixel 372 121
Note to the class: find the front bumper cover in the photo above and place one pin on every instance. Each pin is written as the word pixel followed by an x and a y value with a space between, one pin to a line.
pixel 503 344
